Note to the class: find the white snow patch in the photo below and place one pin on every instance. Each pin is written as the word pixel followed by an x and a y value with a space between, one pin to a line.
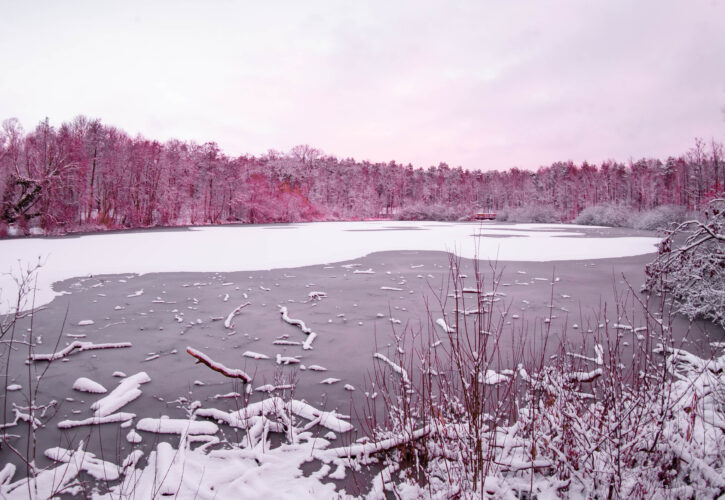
pixel 107 419
pixel 133 437
pixel 254 355
pixel 176 426
pixel 444 326
pixel 127 391
pixel 217 248
pixel 84 384
pixel 395 367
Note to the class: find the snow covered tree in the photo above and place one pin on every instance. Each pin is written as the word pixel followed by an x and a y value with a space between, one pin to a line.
pixel 690 266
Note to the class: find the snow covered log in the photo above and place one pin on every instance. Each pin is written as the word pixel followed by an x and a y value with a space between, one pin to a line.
pixel 585 376
pixel 176 426
pixel 359 450
pixel 127 391
pixel 307 344
pixel 80 346
pixel 218 367
pixel 292 321
pixel 84 384
pixel 84 460
pixel 108 419
pixel 396 368
pixel 228 322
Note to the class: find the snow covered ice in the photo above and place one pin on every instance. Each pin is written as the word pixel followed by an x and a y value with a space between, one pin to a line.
pixel 202 249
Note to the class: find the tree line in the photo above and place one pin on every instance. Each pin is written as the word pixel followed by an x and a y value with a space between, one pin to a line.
pixel 85 175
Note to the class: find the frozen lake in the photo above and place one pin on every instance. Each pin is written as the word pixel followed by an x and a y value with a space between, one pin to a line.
pixel 356 285
pixel 251 248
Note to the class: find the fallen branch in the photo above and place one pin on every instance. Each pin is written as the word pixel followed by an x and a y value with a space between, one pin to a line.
pixel 295 322
pixel 396 368
pixel 585 376
pixel 358 450
pixel 107 419
pixel 127 391
pixel 228 322
pixel 81 346
pixel 218 367
pixel 307 345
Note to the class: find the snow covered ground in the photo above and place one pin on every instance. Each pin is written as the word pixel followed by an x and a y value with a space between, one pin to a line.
pixel 234 248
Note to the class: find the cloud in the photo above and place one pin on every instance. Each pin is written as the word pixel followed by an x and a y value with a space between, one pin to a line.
pixel 477 84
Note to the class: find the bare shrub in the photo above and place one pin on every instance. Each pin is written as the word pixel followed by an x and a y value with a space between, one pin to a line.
pixel 589 423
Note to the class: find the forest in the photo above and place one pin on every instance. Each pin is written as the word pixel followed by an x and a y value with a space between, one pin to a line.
pixel 88 176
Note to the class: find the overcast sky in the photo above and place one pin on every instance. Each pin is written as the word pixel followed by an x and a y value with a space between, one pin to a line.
pixel 484 85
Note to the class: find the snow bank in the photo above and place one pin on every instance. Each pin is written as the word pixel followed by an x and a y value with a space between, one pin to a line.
pixel 210 249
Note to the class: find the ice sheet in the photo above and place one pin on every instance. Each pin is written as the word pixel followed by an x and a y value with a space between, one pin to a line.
pixel 255 247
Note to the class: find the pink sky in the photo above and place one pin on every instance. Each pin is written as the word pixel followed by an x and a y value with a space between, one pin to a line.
pixel 484 85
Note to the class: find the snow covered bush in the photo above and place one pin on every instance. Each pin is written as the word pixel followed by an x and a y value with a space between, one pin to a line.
pixel 690 266
pixel 660 218
pixel 543 214
pixel 438 212
pixel 605 215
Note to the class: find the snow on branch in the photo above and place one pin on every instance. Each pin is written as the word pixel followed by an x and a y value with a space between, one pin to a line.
pixel 307 344
pixel 693 273
pixel 176 426
pixel 80 346
pixel 585 376
pixel 444 326
pixel 127 391
pixel 396 368
pixel 218 367
pixel 86 461
pixel 25 417
pixel 292 321
pixel 228 322
pixel 366 449
pixel 108 419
